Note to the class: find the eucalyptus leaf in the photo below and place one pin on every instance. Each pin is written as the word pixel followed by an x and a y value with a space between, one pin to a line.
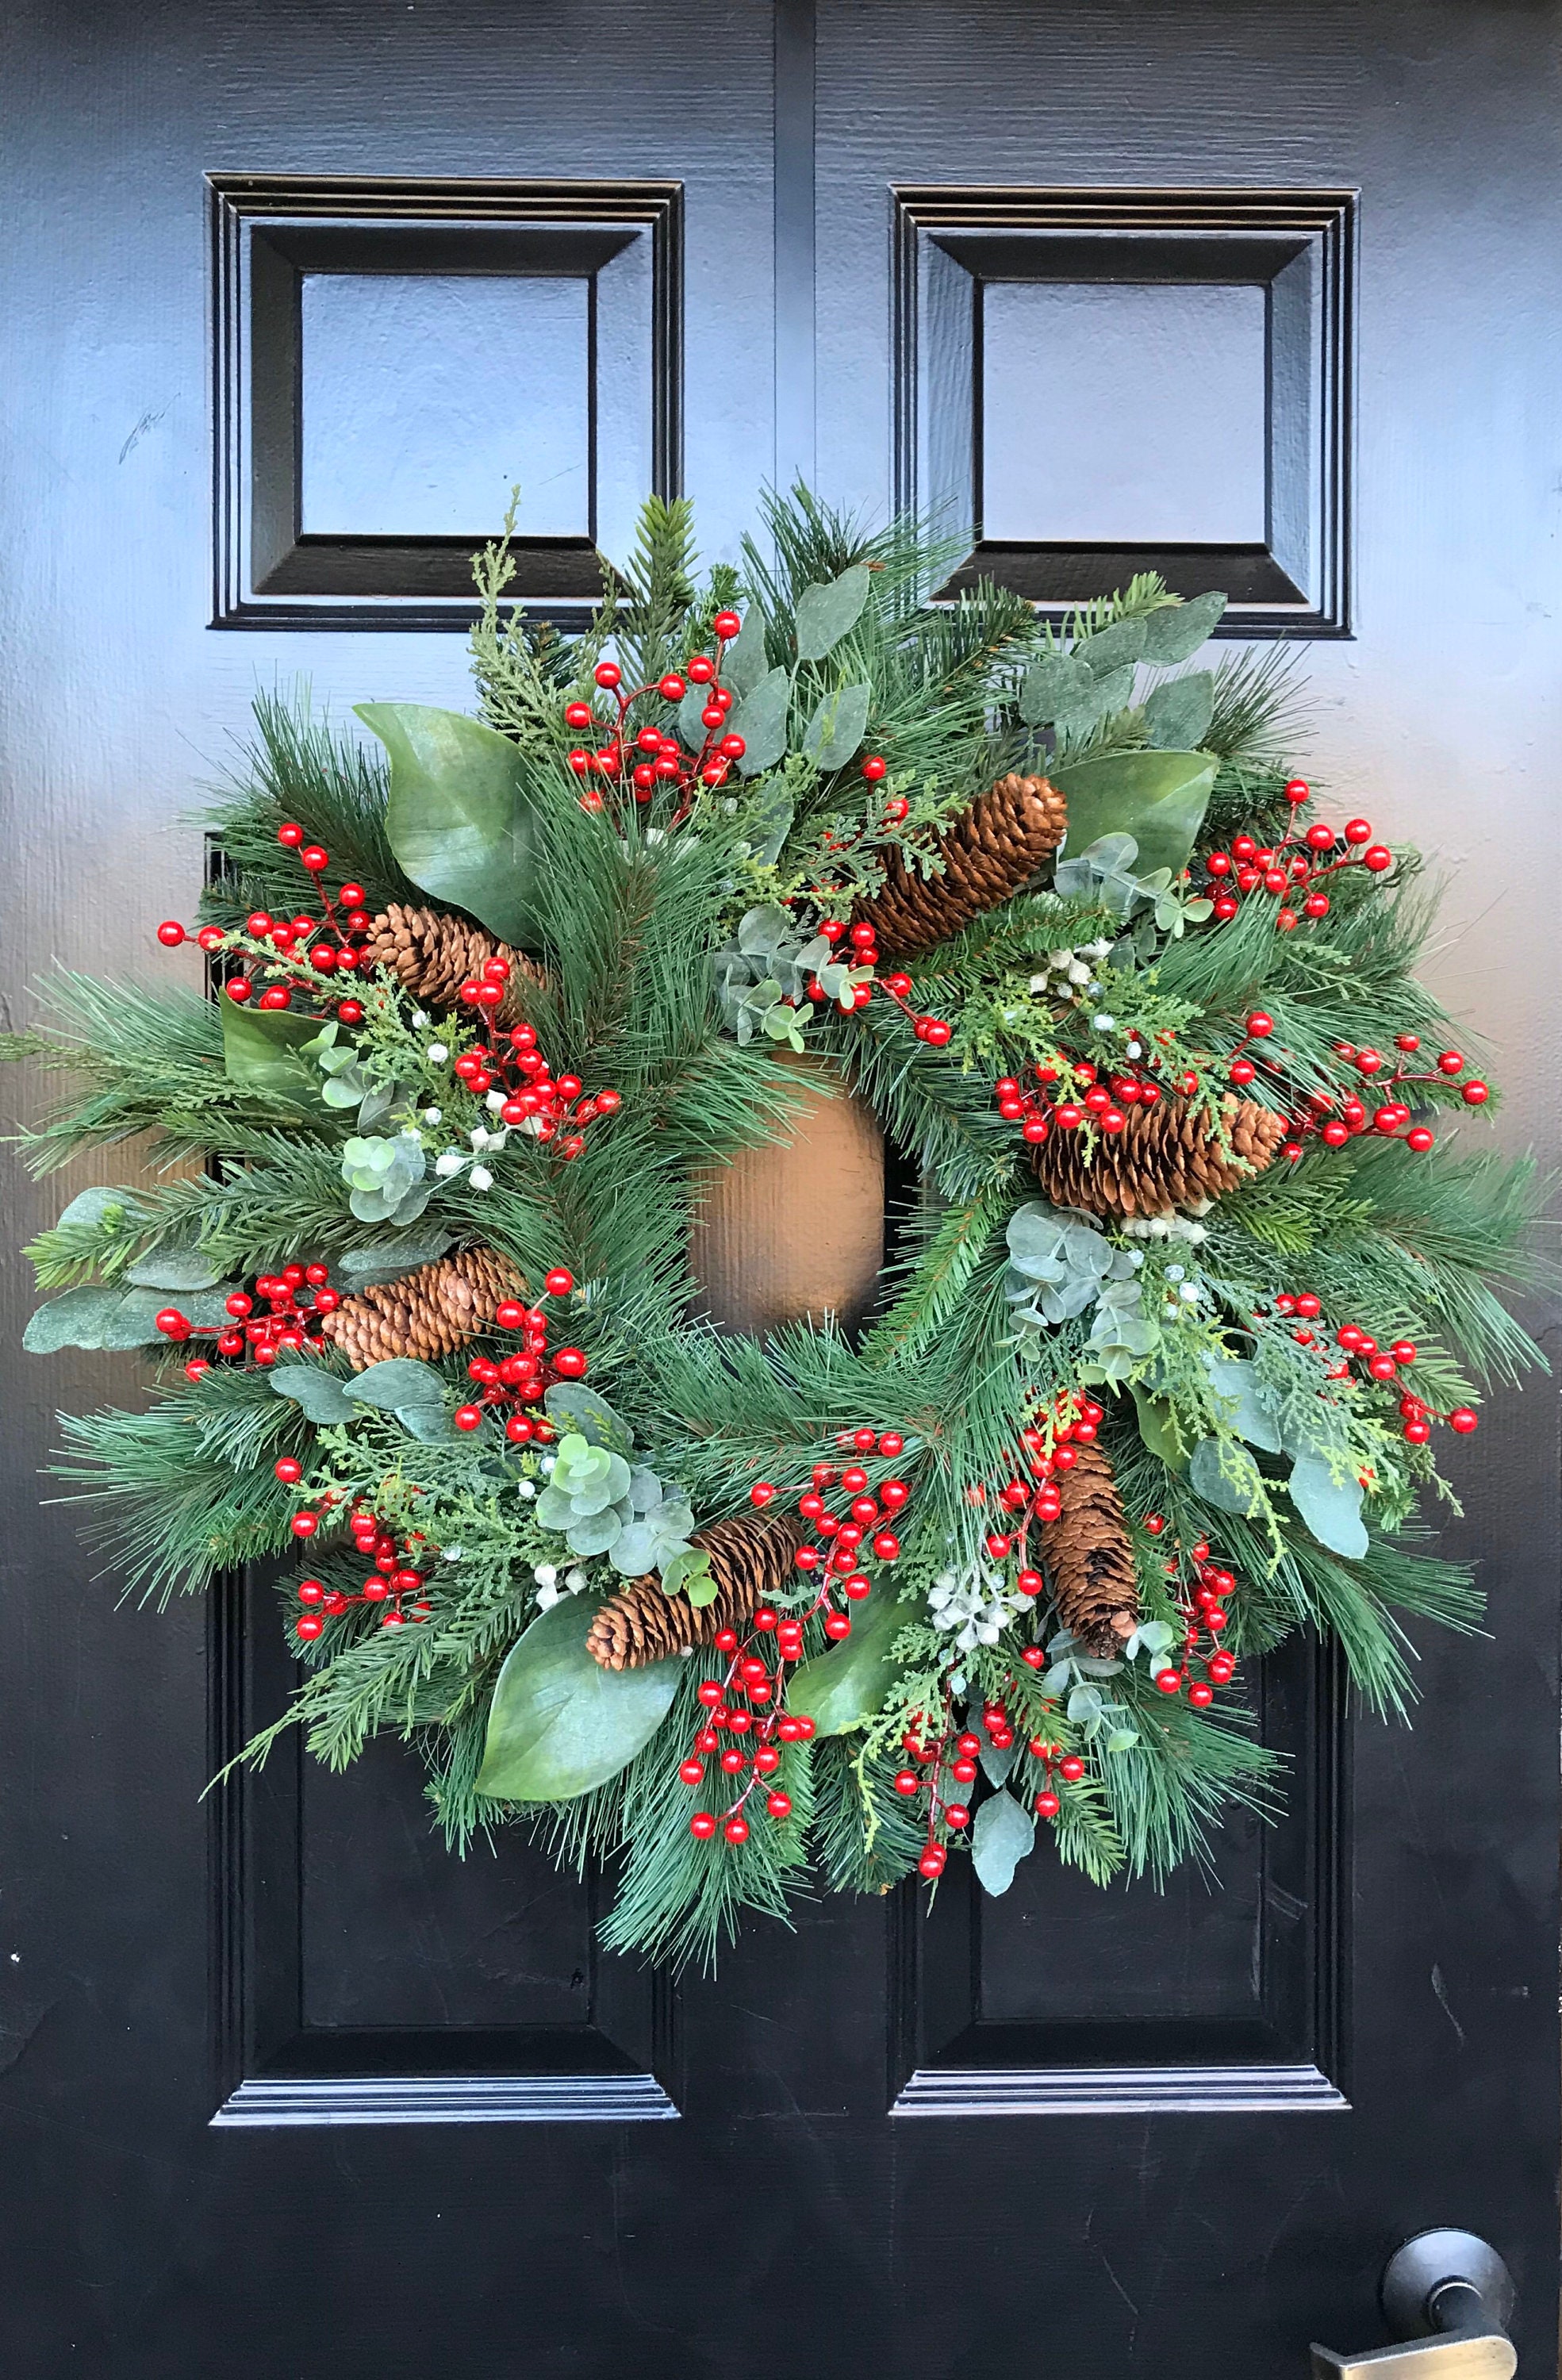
pixel 1247 1409
pixel 598 1533
pixel 1225 1475
pixel 1174 632
pixel 996 1765
pixel 745 662
pixel 77 1318
pixel 377 1261
pixel 1119 644
pixel 837 727
pixel 1158 797
pixel 260 1049
pixel 401 1380
pixel 1330 1506
pixel 1054 682
pixel 772 822
pixel 1108 690
pixel 319 1395
pixel 458 819
pixel 1002 1835
pixel 844 1688
pixel 173 1267
pixel 99 1206
pixel 1177 715
pixel 580 1408
pixel 761 719
pixel 826 613
pixel 559 1723
pixel 691 729
pixel 428 1427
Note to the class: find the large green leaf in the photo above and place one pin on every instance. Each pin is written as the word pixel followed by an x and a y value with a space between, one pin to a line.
pixel 1157 1426
pixel 844 1688
pixel 559 1723
pixel 260 1049
pixel 1158 797
pixel 458 819
pixel 826 613
pixel 761 719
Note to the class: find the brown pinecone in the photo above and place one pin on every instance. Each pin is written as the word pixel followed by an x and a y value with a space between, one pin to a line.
pixel 992 851
pixel 751 1554
pixel 1168 1155
pixel 1090 1557
pixel 432 1312
pixel 434 954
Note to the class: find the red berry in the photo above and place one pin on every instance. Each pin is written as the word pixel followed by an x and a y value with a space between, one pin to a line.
pixel 1297 790
pixel 1320 837
pixel 874 767
pixel 778 1804
pixel 1377 856
pixel 1047 1806
pixel 309 1625
pixel 1418 1432
pixel 288 1470
pixel 569 1363
pixel 559 1284
pixel 238 988
pixel 1475 1095
pixel 736 1829
pixel 469 1418
pixel 1169 1681
pixel 727 624
pixel 1463 1420
pixel 956 1815
pixel 1259 1025
pixel 702 1826
pixel 931 1863
pixel 1357 830
pixel 1200 1696
pixel 1449 1062
pixel 1072 1768
pixel 305 1523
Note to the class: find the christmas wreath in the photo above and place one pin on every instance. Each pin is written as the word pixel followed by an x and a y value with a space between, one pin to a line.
pixel 1189 1284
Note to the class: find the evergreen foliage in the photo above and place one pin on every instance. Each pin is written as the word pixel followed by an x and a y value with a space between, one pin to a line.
pixel 1246 1438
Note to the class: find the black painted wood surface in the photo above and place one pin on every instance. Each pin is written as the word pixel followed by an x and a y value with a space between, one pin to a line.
pixel 284 2089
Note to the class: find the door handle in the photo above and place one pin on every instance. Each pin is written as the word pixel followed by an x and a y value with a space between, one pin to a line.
pixel 1449 2297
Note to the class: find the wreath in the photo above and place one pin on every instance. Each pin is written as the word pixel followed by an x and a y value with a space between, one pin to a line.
pixel 1187 1288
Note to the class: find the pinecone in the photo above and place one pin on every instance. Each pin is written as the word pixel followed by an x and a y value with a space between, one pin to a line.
pixel 751 1554
pixel 1168 1155
pixel 991 850
pixel 1090 1557
pixel 432 1312
pixel 434 954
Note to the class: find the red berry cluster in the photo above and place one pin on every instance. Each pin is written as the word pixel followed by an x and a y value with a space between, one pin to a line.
pixel 309 952
pixel 1204 1610
pixel 654 757
pixel 554 1107
pixel 394 1578
pixel 746 1704
pixel 1085 1097
pixel 296 1301
pixel 1382 1365
pixel 509 1386
pixel 1248 868
pixel 843 1542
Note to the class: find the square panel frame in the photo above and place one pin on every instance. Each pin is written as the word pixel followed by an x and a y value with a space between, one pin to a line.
pixel 1298 246
pixel 624 238
pixel 1290 2057
pixel 272 2069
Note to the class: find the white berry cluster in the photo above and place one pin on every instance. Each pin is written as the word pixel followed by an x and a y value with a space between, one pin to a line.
pixel 973 1607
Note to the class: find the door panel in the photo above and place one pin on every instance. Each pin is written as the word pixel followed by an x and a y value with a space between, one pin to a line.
pixel 1274 290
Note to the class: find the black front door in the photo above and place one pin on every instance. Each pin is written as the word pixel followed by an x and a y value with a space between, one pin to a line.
pixel 1261 296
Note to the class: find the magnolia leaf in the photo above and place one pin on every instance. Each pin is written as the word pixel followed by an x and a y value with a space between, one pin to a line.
pixel 76 1320
pixel 559 1723
pixel 837 727
pixel 1157 1426
pixel 580 1408
pixel 1119 644
pixel 1178 714
pixel 1174 632
pixel 1053 683
pixel 1158 797
pixel 457 820
pixel 1002 1835
pixel 402 1380
pixel 826 613
pixel 1225 1475
pixel 1331 1507
pixel 260 1049
pixel 319 1395
pixel 761 719
pixel 744 662
pixel 844 1688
